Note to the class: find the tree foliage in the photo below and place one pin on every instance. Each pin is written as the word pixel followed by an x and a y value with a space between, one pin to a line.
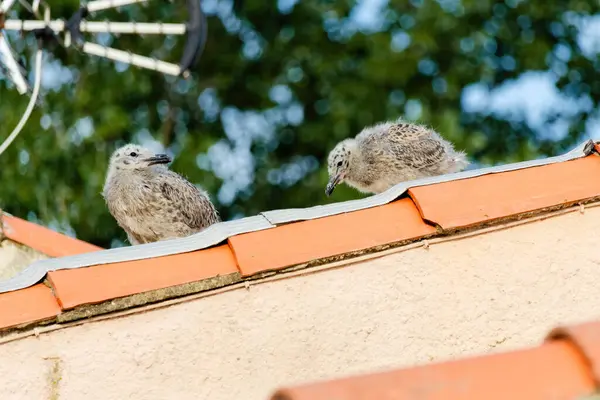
pixel 277 86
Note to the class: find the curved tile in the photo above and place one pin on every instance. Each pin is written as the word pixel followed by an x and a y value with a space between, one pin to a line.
pixel 36 303
pixel 213 235
pixel 586 338
pixel 300 242
pixel 552 371
pixel 472 201
pixel 42 239
pixel 74 287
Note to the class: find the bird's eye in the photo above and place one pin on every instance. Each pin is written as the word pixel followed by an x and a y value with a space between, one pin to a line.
pixel 339 164
pixel 133 154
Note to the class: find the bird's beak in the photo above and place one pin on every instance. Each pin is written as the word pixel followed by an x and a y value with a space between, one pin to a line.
pixel 333 181
pixel 158 159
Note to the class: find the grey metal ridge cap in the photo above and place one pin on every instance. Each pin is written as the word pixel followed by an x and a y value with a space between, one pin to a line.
pixel 220 232
pixel 211 236
pixel 277 217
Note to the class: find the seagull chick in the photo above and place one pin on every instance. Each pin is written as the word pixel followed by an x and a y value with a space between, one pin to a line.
pixel 149 201
pixel 388 153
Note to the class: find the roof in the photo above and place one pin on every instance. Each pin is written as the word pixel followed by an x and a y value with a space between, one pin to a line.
pixel 43 240
pixel 565 366
pixel 15 257
pixel 26 241
pixel 82 280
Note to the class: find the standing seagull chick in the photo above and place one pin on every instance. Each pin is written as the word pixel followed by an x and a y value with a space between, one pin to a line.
pixel 149 201
pixel 388 153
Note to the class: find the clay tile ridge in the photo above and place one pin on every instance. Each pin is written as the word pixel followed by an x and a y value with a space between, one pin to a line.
pixel 37 303
pixel 282 240
pixel 42 239
pixel 565 366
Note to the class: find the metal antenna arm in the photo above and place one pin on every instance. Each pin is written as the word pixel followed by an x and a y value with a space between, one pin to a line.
pixel 6 5
pixel 138 28
pixel 13 68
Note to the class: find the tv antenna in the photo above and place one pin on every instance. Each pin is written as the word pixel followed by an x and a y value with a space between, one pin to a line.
pixel 69 34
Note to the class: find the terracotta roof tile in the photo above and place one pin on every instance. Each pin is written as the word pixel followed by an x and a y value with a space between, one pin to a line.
pixel 586 338
pixel 29 305
pixel 95 284
pixel 42 239
pixel 466 202
pixel 304 241
pixel 554 370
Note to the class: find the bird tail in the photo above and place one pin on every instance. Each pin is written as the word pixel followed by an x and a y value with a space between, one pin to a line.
pixel 460 161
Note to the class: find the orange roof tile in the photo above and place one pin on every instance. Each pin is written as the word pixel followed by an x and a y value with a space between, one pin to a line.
pixel 556 370
pixel 74 287
pixel 21 307
pixel 467 202
pixel 42 239
pixel 586 338
pixel 304 241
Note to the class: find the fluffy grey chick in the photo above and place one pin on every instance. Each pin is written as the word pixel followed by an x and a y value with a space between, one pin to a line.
pixel 149 201
pixel 388 153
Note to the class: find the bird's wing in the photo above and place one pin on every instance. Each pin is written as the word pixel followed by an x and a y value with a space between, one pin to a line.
pixel 416 146
pixel 196 208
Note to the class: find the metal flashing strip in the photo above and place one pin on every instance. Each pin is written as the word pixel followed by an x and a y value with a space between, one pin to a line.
pixel 220 232
pixel 211 236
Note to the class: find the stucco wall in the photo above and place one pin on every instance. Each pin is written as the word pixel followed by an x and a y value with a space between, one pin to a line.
pixel 496 291
pixel 15 257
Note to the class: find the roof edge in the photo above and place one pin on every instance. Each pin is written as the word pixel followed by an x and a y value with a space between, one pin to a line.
pixel 69 313
pixel 40 238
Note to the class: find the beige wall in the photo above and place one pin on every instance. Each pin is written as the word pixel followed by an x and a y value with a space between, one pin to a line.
pixel 491 292
pixel 15 257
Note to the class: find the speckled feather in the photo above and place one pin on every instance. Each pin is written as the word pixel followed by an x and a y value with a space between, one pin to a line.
pixel 383 155
pixel 152 203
